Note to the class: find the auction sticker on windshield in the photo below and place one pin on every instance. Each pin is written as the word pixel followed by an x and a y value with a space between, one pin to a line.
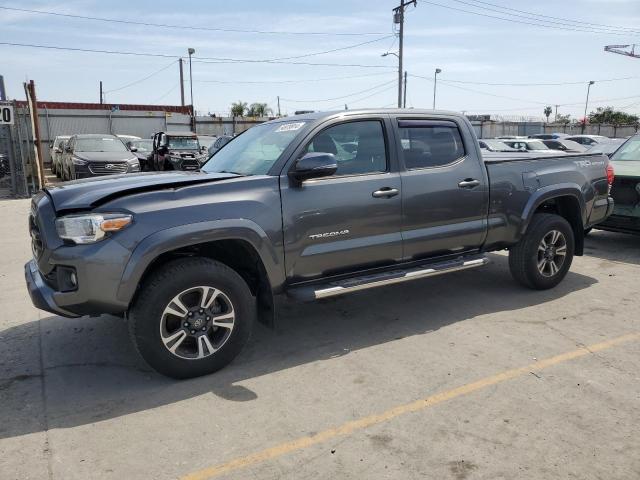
pixel 289 127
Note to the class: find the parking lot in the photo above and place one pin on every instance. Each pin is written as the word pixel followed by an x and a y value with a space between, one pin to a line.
pixel 461 376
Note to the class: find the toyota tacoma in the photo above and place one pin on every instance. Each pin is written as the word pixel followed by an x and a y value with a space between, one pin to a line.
pixel 306 207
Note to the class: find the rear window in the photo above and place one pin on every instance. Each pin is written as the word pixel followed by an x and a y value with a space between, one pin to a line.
pixel 427 146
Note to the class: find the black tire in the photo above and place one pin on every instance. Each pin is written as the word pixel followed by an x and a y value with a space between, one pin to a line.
pixel 524 256
pixel 156 294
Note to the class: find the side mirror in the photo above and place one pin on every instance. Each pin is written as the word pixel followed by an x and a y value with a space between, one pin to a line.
pixel 133 149
pixel 313 165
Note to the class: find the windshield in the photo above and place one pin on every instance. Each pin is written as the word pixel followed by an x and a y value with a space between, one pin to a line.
pixel 104 144
pixel 629 151
pixel 183 143
pixel 142 145
pixel 255 151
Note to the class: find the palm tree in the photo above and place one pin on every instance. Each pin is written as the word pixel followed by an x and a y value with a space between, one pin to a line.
pixel 238 108
pixel 547 112
pixel 259 110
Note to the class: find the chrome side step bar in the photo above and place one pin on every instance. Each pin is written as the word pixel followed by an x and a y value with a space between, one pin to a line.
pixel 354 284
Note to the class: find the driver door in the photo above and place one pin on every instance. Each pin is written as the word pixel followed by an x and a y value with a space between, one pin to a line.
pixel 349 221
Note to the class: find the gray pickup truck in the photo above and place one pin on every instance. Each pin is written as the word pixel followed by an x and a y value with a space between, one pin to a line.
pixel 307 207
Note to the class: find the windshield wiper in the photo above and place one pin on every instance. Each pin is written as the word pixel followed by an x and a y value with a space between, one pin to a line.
pixel 234 173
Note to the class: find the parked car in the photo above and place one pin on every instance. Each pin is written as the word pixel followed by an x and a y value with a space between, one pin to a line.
pixel 531 145
pixel 193 258
pixel 511 137
pixel 220 142
pixel 176 151
pixel 567 146
pixel 608 147
pixel 143 150
pixel 587 139
pixel 127 138
pixel 206 141
pixel 625 189
pixel 55 153
pixel 549 136
pixel 90 155
pixel 492 145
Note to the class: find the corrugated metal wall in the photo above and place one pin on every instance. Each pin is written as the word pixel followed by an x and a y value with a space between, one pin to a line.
pixel 71 121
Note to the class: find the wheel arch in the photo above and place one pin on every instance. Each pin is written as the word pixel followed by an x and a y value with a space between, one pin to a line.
pixel 239 244
pixel 566 201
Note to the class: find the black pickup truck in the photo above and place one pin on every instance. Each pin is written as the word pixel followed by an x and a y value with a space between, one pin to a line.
pixel 309 207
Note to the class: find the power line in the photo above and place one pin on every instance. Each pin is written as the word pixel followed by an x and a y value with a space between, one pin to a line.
pixel 479 91
pixel 528 17
pixel 280 82
pixel 538 84
pixel 216 60
pixel 521 21
pixel 141 79
pixel 187 27
pixel 392 87
pixel 166 93
pixel 616 27
pixel 338 98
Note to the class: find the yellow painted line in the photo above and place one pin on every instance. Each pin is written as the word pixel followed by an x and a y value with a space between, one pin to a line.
pixel 355 425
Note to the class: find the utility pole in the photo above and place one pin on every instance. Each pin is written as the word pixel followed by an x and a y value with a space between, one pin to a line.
pixel 100 92
pixel 555 119
pixel 404 93
pixel 191 51
pixel 181 83
pixel 278 105
pixel 586 104
pixel 435 83
pixel 398 18
pixel 32 101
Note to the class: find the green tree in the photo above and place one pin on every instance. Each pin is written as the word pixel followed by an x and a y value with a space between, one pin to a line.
pixel 612 117
pixel 259 110
pixel 238 108
pixel 564 119
pixel 547 112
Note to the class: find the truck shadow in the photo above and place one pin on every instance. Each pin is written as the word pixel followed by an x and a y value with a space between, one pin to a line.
pixel 91 372
pixel 612 246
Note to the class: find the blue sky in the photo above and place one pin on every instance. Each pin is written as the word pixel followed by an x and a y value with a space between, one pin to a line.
pixel 468 48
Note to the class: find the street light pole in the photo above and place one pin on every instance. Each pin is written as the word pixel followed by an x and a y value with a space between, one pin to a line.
pixel 586 104
pixel 191 51
pixel 435 83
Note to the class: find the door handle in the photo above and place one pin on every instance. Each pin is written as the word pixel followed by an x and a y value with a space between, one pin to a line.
pixel 469 183
pixel 385 192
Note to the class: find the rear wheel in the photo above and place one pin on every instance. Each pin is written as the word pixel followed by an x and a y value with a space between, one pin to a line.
pixel 542 258
pixel 192 317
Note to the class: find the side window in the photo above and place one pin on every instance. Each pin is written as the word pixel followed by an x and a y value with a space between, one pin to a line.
pixel 359 147
pixel 430 145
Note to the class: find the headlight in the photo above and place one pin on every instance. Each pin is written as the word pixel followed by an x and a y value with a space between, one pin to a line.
pixel 78 161
pixel 134 163
pixel 92 227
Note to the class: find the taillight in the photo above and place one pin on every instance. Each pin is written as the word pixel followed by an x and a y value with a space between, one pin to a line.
pixel 610 174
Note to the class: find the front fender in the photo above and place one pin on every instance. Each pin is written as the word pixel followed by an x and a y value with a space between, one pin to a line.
pixel 196 233
pixel 548 193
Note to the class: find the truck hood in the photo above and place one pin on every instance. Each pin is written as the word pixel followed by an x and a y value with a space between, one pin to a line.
pixel 91 192
pixel 626 168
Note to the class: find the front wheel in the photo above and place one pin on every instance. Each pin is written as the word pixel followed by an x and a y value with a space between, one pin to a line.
pixel 542 258
pixel 192 317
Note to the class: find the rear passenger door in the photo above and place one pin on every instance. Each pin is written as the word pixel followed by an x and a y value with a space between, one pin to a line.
pixel 444 188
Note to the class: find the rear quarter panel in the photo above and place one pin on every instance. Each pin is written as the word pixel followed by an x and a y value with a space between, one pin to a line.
pixel 518 187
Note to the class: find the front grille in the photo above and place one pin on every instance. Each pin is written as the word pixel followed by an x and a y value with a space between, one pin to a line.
pixel 625 191
pixel 99 168
pixel 37 247
pixel 190 165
